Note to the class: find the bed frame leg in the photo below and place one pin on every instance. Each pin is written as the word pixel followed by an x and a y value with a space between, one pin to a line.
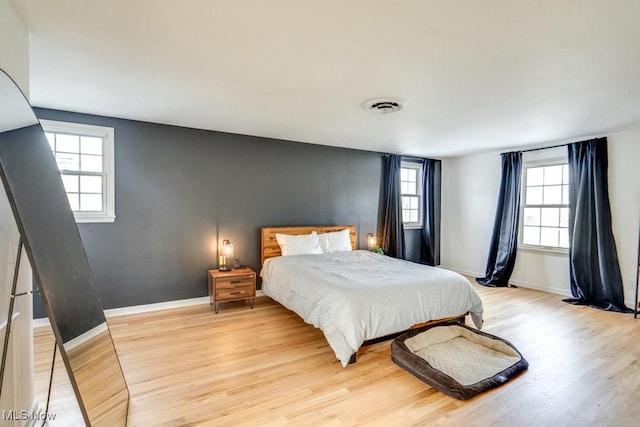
pixel 352 360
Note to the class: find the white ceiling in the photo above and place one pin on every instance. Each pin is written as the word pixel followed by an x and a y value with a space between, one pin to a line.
pixel 476 75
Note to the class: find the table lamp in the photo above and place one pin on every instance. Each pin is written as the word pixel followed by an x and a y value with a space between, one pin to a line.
pixel 225 261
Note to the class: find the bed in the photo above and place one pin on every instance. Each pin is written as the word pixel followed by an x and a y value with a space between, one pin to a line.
pixel 357 296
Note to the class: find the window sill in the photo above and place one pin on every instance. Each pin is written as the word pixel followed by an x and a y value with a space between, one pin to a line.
pixel 98 218
pixel 544 250
pixel 412 226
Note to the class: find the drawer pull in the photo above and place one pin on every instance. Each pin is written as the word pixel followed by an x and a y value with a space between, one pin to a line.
pixel 236 281
pixel 235 293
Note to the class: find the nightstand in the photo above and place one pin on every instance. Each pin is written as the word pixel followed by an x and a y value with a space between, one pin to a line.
pixel 235 285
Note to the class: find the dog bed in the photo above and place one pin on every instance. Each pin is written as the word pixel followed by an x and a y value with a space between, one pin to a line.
pixel 457 360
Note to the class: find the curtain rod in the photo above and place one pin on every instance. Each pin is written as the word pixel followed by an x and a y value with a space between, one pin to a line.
pixel 537 149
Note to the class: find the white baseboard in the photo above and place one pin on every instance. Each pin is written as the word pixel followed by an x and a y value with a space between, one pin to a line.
pixel 146 308
pixel 463 272
pixel 543 288
pixel 521 283
pixel 39 323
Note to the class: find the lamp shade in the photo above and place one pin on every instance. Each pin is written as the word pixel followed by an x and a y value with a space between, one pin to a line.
pixel 225 261
pixel 371 241
pixel 227 248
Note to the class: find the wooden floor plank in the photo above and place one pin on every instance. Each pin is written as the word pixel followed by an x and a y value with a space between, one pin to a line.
pixel 189 366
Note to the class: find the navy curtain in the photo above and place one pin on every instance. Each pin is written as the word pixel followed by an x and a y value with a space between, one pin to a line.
pixel 431 202
pixel 390 227
pixel 504 240
pixel 593 260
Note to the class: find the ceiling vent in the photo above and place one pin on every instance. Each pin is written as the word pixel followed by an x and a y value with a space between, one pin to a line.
pixel 384 105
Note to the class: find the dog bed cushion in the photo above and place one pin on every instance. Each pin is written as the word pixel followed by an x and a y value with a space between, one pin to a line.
pixel 457 360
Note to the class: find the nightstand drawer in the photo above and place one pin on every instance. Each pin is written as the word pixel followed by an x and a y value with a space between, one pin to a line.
pixel 234 282
pixel 235 292
pixel 233 285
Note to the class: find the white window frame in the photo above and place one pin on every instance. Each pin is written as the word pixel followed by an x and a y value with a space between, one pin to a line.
pixel 419 169
pixel 554 161
pixel 108 165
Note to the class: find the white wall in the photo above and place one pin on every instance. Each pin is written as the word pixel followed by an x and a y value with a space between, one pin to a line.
pixel 14 48
pixel 624 193
pixel 470 187
pixel 469 195
pixel 14 59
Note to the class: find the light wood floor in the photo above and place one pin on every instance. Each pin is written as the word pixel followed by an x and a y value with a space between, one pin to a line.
pixel 265 366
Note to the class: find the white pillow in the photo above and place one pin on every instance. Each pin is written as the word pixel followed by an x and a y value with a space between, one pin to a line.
pixel 303 244
pixel 337 241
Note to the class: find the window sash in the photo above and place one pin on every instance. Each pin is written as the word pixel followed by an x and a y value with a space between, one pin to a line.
pixel 540 230
pixel 411 179
pixel 80 192
pixel 95 144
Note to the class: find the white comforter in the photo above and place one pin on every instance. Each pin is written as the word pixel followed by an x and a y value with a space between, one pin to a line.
pixel 359 295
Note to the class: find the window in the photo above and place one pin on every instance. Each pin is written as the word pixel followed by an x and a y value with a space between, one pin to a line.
pixel 84 155
pixel 411 192
pixel 545 212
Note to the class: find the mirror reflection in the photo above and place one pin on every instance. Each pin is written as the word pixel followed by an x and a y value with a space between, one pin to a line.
pixel 39 203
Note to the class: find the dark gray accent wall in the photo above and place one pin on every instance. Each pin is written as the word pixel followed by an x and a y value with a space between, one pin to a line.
pixel 181 191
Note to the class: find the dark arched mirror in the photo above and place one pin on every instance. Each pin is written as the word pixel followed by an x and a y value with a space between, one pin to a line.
pixel 52 242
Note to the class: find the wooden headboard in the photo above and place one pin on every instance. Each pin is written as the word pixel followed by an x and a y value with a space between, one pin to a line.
pixel 269 247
